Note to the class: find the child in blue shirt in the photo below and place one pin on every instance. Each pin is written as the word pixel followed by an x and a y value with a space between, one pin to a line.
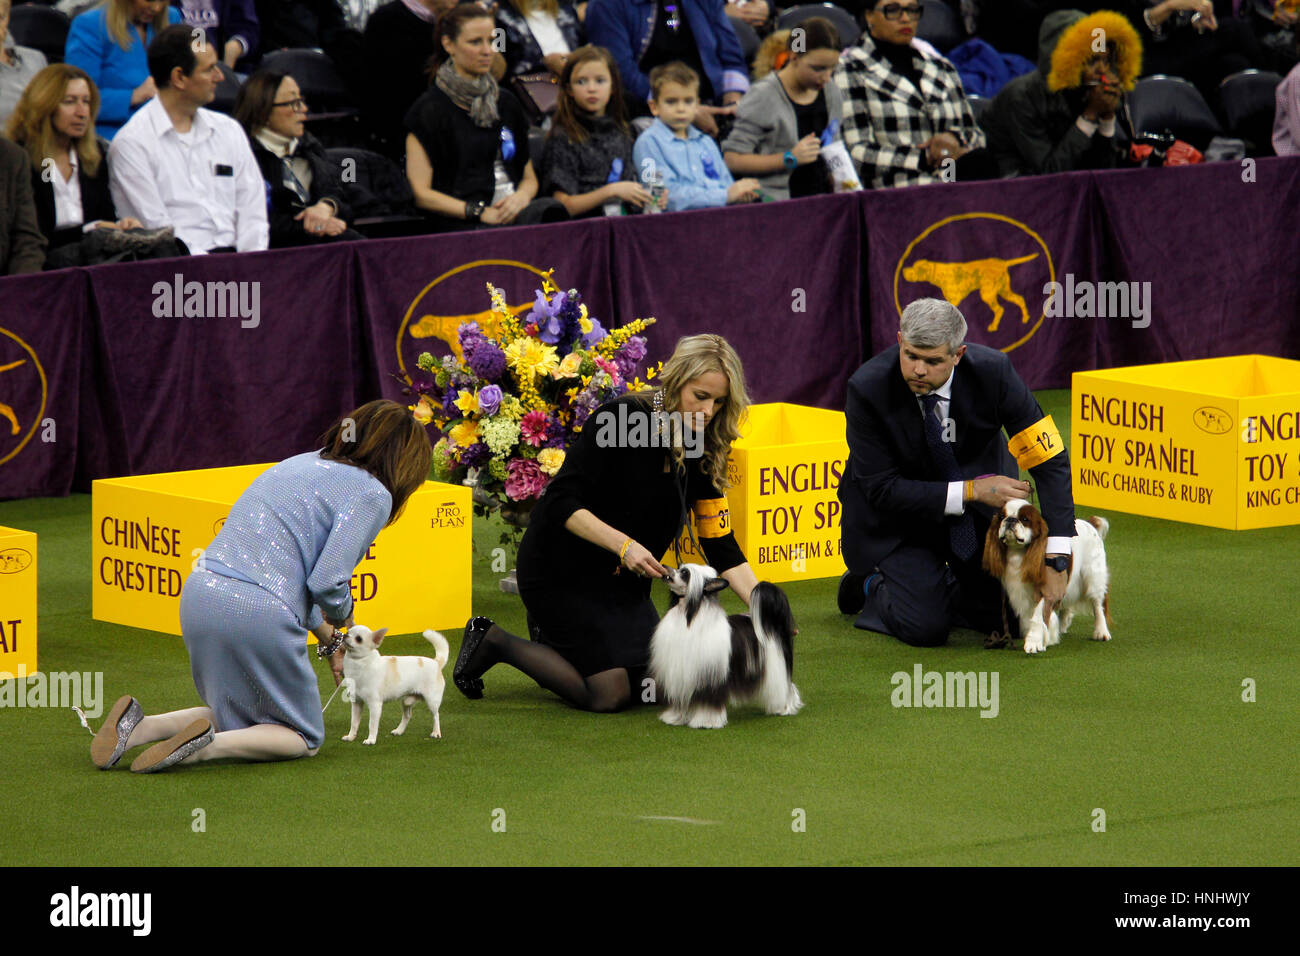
pixel 687 161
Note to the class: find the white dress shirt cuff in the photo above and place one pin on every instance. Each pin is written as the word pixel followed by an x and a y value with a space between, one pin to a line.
pixel 1060 545
pixel 956 494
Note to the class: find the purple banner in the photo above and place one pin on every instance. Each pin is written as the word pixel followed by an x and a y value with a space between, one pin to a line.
pixel 415 294
pixel 41 333
pixel 991 250
pixel 225 360
pixel 780 281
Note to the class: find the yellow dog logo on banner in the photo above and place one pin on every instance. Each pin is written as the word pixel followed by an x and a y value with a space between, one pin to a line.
pixel 21 374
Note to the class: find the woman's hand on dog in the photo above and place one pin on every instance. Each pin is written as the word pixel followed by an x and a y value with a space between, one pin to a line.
pixel 639 560
pixel 336 665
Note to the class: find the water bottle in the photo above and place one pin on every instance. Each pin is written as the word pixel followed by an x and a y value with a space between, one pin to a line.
pixel 615 207
pixel 658 191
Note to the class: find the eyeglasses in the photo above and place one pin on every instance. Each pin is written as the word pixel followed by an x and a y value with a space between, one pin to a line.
pixel 294 104
pixel 896 11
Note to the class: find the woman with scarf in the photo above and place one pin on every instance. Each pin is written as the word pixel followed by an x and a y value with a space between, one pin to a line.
pixel 467 144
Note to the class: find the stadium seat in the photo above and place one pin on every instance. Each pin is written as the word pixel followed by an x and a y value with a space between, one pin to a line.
pixel 1161 102
pixel 979 105
pixel 42 28
pixel 227 90
pixel 536 143
pixel 319 79
pixel 380 196
pixel 1249 100
pixel 940 26
pixel 748 40
pixel 845 25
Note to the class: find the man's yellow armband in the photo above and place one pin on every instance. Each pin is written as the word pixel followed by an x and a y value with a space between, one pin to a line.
pixel 1036 444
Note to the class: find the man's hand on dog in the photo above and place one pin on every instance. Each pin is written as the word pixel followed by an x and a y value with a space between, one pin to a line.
pixel 996 490
pixel 336 665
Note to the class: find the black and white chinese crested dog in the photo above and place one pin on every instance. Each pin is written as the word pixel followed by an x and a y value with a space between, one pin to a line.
pixel 701 658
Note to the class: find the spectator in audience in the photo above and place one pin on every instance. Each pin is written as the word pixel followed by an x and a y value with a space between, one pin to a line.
pixel 319 24
pixel 304 188
pixel 18 64
pixel 230 26
pixel 357 12
pixel 55 123
pixel 643 34
pixel 539 34
pixel 177 164
pixel 757 13
pixel 1068 113
pixel 396 51
pixel 109 43
pixel 587 164
pixel 896 135
pixel 1274 24
pixel 467 147
pixel 1195 39
pixel 1286 121
pixel 22 247
pixel 781 122
pixel 676 153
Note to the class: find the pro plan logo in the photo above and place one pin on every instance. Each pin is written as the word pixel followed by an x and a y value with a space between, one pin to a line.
pixel 460 295
pixel 13 560
pixel 1211 420
pixel 23 393
pixel 996 279
pixel 448 514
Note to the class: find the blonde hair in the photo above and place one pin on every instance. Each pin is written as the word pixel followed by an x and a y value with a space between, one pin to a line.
pixel 526 7
pixel 698 355
pixel 32 122
pixel 769 51
pixel 117 20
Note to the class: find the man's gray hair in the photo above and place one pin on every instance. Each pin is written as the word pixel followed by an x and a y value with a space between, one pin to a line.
pixel 930 323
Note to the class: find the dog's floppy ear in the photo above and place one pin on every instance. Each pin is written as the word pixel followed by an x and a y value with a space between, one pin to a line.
pixel 716 585
pixel 378 636
pixel 995 555
pixel 1034 569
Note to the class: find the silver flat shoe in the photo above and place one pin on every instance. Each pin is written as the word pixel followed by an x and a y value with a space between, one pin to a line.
pixel 175 749
pixel 110 742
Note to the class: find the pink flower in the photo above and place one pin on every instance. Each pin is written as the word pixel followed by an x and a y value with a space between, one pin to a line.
pixel 533 428
pixel 608 366
pixel 525 479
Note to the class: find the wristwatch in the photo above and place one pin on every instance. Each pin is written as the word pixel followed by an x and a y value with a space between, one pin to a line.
pixel 1057 562
pixel 473 210
pixel 789 160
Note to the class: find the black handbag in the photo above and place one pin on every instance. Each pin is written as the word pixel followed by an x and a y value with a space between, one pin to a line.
pixel 538 93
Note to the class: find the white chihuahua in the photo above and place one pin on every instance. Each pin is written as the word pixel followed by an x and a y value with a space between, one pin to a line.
pixel 376 679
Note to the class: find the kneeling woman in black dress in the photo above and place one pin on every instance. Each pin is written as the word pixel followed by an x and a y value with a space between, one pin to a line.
pixel 592 545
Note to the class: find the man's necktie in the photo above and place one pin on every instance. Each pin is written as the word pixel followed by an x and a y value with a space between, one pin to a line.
pixel 961 534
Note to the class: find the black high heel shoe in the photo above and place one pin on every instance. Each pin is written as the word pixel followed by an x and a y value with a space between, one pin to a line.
pixel 475 631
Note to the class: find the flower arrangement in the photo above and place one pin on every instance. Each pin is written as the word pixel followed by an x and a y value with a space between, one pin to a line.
pixel 516 391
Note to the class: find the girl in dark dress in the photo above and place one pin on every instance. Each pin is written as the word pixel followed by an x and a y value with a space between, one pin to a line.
pixel 592 545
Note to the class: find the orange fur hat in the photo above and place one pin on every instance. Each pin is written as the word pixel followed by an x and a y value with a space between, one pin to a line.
pixel 1077 45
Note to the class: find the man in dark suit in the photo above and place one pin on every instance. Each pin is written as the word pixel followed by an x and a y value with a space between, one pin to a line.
pixel 22 247
pixel 928 467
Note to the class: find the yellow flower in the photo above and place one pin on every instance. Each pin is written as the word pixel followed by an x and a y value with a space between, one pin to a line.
pixel 550 460
pixel 569 367
pixel 584 323
pixel 467 402
pixel 530 357
pixel 465 434
pixel 422 411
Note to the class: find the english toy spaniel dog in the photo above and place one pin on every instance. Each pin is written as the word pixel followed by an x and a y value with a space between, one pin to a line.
pixel 701 658
pixel 1014 552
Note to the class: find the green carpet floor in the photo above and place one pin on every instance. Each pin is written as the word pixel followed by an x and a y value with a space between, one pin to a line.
pixel 1151 729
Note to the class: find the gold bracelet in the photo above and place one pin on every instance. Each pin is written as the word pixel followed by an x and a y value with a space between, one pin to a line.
pixel 970 491
pixel 623 553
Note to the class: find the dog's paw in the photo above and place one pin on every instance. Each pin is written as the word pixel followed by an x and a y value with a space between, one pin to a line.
pixel 437 734
pixel 1067 618
pixel 672 716
pixel 397 731
pixel 369 741
pixel 1034 645
pixel 1101 635
pixel 348 737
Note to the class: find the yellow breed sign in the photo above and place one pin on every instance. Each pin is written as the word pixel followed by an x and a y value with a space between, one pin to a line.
pixel 785 472
pixel 149 533
pixel 1213 442
pixel 17 603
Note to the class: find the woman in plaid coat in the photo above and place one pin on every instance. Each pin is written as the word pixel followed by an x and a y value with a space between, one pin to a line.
pixel 906 119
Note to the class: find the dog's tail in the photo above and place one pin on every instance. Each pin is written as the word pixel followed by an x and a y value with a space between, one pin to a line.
pixel 1101 524
pixel 440 646
pixel 769 610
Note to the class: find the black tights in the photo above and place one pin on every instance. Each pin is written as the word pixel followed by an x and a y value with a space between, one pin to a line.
pixel 604 692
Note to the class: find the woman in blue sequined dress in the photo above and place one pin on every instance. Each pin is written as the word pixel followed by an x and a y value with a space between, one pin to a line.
pixel 281 565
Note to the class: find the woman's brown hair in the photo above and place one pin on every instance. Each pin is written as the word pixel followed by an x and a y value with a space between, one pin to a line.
pixel 449 25
pixel 567 113
pixel 256 99
pixel 383 438
pixel 32 123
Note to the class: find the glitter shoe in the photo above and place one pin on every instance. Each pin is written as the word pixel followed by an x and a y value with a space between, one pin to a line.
pixel 175 749
pixel 475 631
pixel 110 742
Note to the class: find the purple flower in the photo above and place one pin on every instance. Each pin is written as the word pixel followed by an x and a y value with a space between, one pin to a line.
pixel 475 456
pixel 423 382
pixel 597 333
pixel 489 399
pixel 486 359
pixel 634 348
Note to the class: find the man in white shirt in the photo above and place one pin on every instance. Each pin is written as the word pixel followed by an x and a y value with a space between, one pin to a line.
pixel 176 164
